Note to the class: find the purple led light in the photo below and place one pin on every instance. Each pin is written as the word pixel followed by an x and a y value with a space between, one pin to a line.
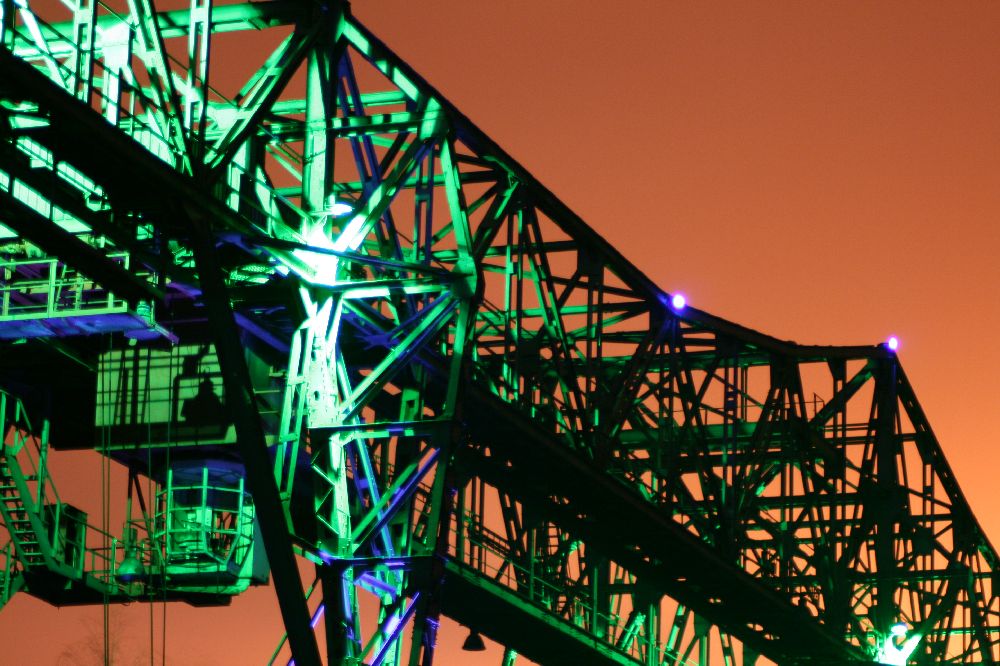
pixel 892 343
pixel 678 301
pixel 317 615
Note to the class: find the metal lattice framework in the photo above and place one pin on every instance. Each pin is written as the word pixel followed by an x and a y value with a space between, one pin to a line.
pixel 441 386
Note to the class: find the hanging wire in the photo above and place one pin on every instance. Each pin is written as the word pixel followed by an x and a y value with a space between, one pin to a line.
pixel 152 624
pixel 149 588
pixel 151 494
pixel 166 507
pixel 106 504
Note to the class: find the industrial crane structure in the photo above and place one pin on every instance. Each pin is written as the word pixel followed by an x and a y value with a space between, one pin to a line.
pixel 314 312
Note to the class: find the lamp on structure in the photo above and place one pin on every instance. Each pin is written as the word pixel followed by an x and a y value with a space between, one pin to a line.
pixel 474 643
pixel 131 569
pixel 896 648
pixel 338 208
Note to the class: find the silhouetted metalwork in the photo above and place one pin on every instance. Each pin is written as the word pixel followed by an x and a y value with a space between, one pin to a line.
pixel 327 317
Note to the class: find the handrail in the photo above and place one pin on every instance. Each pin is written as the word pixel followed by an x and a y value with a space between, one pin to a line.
pixel 20 428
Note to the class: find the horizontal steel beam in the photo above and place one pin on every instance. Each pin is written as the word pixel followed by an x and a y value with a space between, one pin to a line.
pixel 495 611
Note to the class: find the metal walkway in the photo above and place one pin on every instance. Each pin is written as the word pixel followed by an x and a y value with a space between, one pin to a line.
pixel 329 318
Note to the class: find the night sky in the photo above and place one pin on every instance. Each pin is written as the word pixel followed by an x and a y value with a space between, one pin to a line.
pixel 823 172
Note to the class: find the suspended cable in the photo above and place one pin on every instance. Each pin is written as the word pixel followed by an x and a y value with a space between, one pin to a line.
pixel 106 517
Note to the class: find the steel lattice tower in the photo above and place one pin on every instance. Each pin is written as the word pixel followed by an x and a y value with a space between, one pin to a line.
pixel 326 317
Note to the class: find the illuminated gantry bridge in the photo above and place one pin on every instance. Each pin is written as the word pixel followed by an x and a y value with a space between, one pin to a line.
pixel 312 311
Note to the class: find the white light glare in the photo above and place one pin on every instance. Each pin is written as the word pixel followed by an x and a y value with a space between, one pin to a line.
pixel 895 649
pixel 678 301
pixel 338 208
pixel 349 239
pixel 892 343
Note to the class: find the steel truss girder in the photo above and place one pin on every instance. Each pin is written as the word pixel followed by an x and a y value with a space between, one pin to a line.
pixel 563 353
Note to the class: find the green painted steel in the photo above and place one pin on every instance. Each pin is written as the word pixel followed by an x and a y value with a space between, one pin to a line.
pixel 330 306
pixel 52 551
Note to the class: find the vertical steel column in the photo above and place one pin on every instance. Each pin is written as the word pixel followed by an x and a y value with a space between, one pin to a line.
pixel 196 95
pixel 444 491
pixel 884 495
pixel 84 20
pixel 253 450
pixel 6 23
pixel 338 620
pixel 317 170
pixel 442 498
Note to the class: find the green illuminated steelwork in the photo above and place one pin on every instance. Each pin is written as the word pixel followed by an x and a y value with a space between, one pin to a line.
pixel 199 545
pixel 11 578
pixel 52 552
pixel 896 648
pixel 26 488
pixel 205 525
pixel 434 376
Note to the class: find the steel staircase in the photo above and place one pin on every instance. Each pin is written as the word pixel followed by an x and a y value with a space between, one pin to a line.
pixel 47 548
pixel 23 492
pixel 11 579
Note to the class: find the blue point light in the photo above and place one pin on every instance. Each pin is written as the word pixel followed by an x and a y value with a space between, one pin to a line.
pixel 892 343
pixel 678 302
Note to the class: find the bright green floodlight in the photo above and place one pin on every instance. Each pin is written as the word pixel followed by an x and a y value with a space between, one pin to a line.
pixel 325 265
pixel 895 649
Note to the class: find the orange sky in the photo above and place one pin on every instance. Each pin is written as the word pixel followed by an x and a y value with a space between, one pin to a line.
pixel 823 172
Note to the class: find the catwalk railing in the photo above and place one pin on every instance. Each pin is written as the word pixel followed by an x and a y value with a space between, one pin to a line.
pixel 666 482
